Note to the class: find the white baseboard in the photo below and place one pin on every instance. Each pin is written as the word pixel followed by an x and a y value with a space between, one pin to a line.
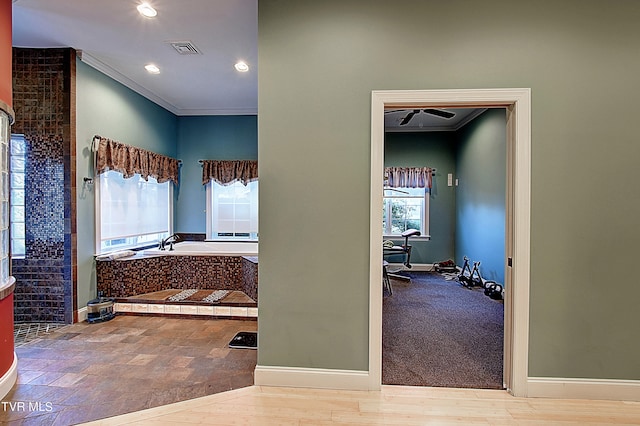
pixel 320 378
pixel 538 387
pixel 9 378
pixel 418 267
pixel 618 390
pixel 82 314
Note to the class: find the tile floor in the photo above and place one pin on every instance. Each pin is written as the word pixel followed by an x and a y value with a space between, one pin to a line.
pixel 84 372
pixel 27 332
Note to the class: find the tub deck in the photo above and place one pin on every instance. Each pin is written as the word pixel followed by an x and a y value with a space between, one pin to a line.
pixel 234 298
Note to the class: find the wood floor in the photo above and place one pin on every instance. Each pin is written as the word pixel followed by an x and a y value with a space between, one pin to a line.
pixel 393 405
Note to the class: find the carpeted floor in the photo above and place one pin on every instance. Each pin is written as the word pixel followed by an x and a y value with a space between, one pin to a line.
pixel 439 333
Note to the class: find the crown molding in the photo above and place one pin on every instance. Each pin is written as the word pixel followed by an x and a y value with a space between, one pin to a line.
pixel 107 70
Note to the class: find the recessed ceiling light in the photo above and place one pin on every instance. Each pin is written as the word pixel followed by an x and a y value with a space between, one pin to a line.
pixel 146 10
pixel 152 69
pixel 242 67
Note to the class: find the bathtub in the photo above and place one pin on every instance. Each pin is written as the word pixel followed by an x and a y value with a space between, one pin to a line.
pixel 206 265
pixel 208 248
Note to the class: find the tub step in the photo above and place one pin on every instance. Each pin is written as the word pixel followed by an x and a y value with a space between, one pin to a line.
pixel 234 304
pixel 196 297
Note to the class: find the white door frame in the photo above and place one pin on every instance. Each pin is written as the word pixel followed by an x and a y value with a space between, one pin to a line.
pixel 517 245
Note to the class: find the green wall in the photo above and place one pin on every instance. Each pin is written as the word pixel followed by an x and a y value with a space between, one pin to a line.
pixel 222 137
pixel 107 108
pixel 319 62
pixel 436 150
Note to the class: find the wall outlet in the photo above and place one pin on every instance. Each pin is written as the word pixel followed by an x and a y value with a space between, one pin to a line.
pixel 450 179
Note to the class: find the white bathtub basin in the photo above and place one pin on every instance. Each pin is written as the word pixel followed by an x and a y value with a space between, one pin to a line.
pixel 208 248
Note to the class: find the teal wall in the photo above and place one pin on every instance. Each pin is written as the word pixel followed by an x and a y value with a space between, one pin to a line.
pixel 467 220
pixel 107 108
pixel 436 150
pixel 319 62
pixel 221 137
pixel 480 195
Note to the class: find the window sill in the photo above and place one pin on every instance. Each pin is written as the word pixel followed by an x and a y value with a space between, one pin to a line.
pixel 400 237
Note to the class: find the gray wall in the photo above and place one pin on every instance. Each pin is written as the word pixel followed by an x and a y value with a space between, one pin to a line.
pixel 319 62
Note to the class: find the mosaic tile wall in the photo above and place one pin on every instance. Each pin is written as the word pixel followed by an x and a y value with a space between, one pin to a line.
pixel 44 103
pixel 250 276
pixel 133 276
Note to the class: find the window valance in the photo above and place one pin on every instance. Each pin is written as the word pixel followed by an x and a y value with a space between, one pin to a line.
pixel 130 160
pixel 408 177
pixel 226 172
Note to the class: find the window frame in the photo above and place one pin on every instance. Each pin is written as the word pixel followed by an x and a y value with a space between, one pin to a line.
pixel 425 219
pixel 98 217
pixel 12 237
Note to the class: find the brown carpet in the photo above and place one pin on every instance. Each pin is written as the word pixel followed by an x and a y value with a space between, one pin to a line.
pixel 439 333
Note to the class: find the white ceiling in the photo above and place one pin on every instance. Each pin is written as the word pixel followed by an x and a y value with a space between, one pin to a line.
pixel 111 36
pixel 114 38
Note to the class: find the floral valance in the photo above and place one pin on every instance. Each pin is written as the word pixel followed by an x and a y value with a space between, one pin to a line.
pixel 130 160
pixel 226 172
pixel 408 177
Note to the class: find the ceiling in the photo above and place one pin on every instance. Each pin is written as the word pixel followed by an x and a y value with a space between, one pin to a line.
pixel 113 37
pixel 421 120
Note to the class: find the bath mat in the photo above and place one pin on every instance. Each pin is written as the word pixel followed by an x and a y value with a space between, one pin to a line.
pixel 182 295
pixel 245 340
pixel 206 296
pixel 216 296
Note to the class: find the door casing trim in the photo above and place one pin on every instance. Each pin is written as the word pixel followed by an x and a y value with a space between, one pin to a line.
pixel 517 245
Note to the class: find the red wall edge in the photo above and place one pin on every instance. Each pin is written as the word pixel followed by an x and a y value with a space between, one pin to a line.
pixel 6 304
pixel 6 334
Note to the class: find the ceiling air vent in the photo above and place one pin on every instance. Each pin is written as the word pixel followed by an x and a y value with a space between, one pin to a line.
pixel 185 48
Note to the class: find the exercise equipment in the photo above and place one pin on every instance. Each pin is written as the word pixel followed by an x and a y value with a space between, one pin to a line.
pixel 404 250
pixel 446 266
pixel 466 276
pixel 493 290
pixel 470 278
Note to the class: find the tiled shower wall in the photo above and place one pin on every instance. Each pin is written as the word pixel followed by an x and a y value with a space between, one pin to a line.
pixel 44 104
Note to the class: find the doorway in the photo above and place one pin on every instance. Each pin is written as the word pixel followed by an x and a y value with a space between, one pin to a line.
pixel 516 304
pixel 437 332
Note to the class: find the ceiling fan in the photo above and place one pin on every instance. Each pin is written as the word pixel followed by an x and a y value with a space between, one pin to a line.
pixel 436 112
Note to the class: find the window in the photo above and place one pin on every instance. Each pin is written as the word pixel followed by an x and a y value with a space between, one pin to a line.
pixel 232 211
pixel 405 208
pixel 17 155
pixel 131 212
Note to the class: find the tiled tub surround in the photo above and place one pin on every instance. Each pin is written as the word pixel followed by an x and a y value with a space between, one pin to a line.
pixel 250 276
pixel 143 274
